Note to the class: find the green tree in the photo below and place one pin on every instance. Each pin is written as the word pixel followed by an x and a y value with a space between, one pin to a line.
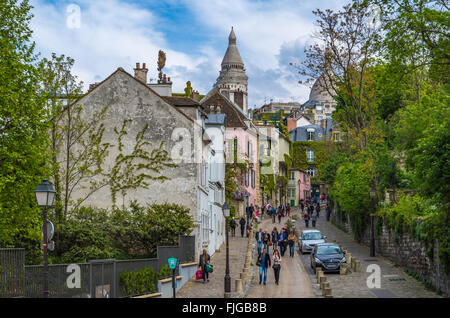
pixel 23 127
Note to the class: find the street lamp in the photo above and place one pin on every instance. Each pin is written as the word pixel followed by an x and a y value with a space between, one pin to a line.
pixel 45 195
pixel 373 194
pixel 226 214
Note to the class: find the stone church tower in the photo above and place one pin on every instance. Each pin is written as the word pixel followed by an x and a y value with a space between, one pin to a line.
pixel 232 80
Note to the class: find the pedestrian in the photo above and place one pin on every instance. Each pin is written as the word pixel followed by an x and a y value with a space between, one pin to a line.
pixel 291 241
pixel 274 213
pixel 288 210
pixel 242 223
pixel 259 240
pixel 274 237
pixel 282 240
pixel 318 209
pixel 233 227
pixel 204 259
pixel 248 229
pixel 306 218
pixel 264 262
pixel 328 209
pixel 314 219
pixel 302 205
pixel 266 240
pixel 276 265
pixel 280 213
pixel 286 230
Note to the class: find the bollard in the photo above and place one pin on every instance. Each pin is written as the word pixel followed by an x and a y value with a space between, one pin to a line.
pixel 318 271
pixel 324 285
pixel 238 286
pixel 323 281
pixel 343 269
pixel 353 264
pixel 348 256
pixel 327 292
pixel 357 266
pixel 319 277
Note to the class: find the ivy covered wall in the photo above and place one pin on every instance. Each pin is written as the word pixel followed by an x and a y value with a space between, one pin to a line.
pixel 299 159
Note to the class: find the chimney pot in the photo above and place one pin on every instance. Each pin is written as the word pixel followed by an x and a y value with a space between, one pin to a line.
pixel 143 65
pixel 138 65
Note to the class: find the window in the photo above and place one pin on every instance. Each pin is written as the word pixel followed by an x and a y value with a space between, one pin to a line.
pixel 291 192
pixel 205 227
pixel 319 109
pixel 310 135
pixel 310 155
pixel 204 174
pixel 311 171
pixel 336 136
pixel 292 175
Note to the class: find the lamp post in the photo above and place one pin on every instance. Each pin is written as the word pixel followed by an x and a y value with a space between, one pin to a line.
pixel 45 195
pixel 226 214
pixel 373 194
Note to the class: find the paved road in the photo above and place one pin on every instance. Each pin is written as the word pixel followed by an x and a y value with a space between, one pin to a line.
pixel 394 281
pixel 294 281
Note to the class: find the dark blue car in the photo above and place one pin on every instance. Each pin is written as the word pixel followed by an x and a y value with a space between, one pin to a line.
pixel 328 256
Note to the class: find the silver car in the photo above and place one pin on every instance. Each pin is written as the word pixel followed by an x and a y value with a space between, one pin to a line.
pixel 309 238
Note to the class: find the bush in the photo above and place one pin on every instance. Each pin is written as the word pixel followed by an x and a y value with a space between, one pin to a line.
pixel 164 272
pixel 138 282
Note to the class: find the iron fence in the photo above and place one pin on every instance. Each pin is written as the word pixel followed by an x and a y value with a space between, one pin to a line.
pixel 98 278
pixel 12 276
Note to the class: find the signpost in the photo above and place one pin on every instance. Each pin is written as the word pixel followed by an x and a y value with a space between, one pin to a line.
pixel 173 265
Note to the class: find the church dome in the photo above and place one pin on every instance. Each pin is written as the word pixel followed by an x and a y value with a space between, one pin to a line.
pixel 232 58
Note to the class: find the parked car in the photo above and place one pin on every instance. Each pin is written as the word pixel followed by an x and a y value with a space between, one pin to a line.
pixel 309 238
pixel 328 256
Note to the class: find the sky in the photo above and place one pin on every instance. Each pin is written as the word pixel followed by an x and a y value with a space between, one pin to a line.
pixel 102 35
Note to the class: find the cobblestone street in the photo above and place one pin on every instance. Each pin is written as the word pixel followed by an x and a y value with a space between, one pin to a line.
pixel 215 287
pixel 394 281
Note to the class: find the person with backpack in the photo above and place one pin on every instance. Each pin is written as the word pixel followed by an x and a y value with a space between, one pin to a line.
pixel 264 262
pixel 242 223
pixel 233 227
pixel 274 214
pixel 276 265
pixel 203 260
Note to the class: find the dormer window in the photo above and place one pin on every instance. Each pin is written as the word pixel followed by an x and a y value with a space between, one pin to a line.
pixel 310 135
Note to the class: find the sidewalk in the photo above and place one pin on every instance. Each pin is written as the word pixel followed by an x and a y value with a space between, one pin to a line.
pixel 394 281
pixel 294 281
pixel 215 287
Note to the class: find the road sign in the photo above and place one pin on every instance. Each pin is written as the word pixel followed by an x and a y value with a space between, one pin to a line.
pixel 50 245
pixel 172 262
pixel 50 230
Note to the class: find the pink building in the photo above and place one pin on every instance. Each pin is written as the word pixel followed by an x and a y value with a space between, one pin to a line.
pixel 241 144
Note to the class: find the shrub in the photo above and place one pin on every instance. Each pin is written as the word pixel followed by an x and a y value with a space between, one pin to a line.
pixel 164 272
pixel 138 282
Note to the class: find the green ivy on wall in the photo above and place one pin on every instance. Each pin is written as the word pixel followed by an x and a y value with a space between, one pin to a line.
pixel 299 160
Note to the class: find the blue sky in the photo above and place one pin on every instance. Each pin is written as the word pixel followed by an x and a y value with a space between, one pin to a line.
pixel 194 35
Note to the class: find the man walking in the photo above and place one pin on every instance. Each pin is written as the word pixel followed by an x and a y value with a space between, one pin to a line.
pixel 306 218
pixel 259 240
pixel 264 263
pixel 318 209
pixel 274 213
pixel 266 240
pixel 233 227
pixel 242 223
pixel 288 210
pixel 328 209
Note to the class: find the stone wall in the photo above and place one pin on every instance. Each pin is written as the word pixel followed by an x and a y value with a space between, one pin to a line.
pixel 406 252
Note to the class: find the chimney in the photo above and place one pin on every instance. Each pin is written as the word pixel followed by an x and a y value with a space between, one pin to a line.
pixel 218 107
pixel 141 73
pixel 195 96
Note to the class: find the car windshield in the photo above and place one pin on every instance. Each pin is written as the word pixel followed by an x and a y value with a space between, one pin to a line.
pixel 312 236
pixel 328 249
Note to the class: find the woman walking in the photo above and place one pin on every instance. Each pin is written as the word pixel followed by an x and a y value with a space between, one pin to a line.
pixel 306 218
pixel 276 265
pixel 291 241
pixel 204 259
